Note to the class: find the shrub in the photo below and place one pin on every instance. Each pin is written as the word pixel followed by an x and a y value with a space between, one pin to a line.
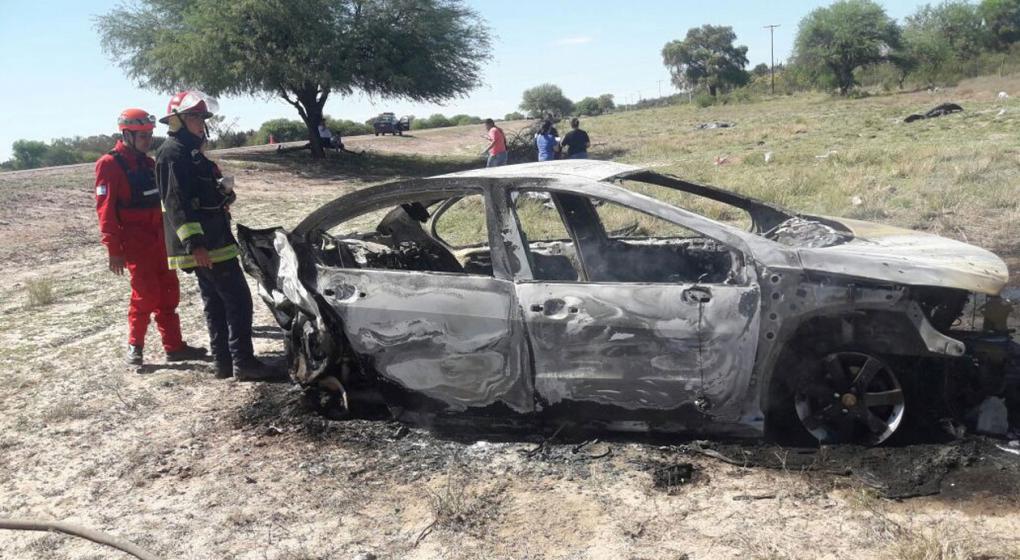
pixel 283 130
pixel 40 292
pixel 704 100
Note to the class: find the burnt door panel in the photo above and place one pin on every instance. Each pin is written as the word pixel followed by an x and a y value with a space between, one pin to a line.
pixel 456 339
pixel 641 346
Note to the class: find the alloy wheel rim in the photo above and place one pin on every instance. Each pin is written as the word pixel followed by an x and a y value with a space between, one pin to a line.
pixel 856 398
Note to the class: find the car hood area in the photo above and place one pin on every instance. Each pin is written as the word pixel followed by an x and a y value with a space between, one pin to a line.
pixel 903 256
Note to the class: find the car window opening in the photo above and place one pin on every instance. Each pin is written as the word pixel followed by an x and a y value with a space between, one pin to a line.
pixel 571 237
pixel 400 240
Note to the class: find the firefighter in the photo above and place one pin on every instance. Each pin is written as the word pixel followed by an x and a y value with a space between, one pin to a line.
pixel 196 220
pixel 131 226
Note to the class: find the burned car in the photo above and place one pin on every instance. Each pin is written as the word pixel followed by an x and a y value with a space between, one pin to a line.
pixel 604 294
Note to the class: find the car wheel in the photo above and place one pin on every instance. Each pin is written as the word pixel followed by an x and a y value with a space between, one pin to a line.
pixel 850 397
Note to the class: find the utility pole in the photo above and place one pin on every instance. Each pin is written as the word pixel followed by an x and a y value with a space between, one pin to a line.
pixel 772 54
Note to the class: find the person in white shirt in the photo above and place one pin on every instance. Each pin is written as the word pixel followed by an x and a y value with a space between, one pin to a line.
pixel 325 135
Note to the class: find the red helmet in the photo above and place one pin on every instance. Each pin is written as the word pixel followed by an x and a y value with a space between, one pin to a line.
pixel 135 119
pixel 191 102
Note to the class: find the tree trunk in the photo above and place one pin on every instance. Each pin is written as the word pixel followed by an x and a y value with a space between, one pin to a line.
pixel 309 100
pixel 711 90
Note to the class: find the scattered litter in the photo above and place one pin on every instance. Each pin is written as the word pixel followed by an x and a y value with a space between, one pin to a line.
pixel 768 157
pixel 938 111
pixel 992 416
pixel 671 476
pixel 712 125
pixel 1012 450
pixel 1000 113
pixel 826 155
pixel 1003 95
pixel 720 160
pixel 273 431
pixel 856 200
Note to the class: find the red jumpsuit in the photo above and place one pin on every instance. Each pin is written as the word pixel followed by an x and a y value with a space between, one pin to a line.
pixel 131 224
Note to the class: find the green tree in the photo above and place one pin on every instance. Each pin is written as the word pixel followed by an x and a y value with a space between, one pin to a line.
pixel 926 50
pixel 606 103
pixel 463 120
pixel 588 106
pixel 282 130
pixel 956 22
pixel 515 116
pixel 421 50
pixel 706 57
pixel 1002 19
pixel 545 98
pixel 834 41
pixel 438 120
pixel 28 154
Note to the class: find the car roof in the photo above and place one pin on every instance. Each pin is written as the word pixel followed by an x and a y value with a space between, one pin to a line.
pixel 587 169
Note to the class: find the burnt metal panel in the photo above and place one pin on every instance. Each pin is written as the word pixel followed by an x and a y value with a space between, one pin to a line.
pixel 636 346
pixel 455 338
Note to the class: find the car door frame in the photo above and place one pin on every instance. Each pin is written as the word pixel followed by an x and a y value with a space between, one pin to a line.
pixel 724 394
pixel 394 354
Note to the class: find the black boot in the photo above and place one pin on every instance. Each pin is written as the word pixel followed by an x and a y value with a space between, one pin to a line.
pixel 224 369
pixel 185 353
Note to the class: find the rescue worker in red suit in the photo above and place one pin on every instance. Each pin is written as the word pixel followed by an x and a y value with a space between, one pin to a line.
pixel 131 225
pixel 196 220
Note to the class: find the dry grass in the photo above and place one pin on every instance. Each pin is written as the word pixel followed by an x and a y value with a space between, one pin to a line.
pixel 953 176
pixel 40 292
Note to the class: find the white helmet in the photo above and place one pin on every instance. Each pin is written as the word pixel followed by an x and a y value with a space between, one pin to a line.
pixel 192 102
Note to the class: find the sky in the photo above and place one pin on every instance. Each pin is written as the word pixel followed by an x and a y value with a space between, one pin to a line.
pixel 57 81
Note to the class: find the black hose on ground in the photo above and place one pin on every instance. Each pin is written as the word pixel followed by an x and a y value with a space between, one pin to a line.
pixel 76 531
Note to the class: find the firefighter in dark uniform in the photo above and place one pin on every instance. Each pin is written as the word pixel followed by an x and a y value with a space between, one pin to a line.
pixel 196 222
pixel 131 226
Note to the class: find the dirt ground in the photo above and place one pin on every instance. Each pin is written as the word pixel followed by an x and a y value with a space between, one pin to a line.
pixel 190 467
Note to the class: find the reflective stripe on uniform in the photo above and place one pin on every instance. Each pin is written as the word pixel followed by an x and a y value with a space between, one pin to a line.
pixel 216 255
pixel 188 229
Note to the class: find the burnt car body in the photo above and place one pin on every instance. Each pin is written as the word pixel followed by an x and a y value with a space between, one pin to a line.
pixel 576 296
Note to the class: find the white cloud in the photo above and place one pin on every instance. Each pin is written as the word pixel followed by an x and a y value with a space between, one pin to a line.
pixel 578 40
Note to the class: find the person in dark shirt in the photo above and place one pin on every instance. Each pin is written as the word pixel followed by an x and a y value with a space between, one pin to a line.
pixel 576 141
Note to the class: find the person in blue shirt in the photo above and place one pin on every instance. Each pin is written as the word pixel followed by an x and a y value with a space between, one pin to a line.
pixel 545 140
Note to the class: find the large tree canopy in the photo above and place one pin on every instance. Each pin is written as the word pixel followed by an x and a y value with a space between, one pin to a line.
pixel 834 41
pixel 1002 17
pixel 546 98
pixel 935 38
pixel 706 57
pixel 421 50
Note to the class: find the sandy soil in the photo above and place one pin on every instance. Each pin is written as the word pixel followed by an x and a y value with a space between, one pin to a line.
pixel 194 468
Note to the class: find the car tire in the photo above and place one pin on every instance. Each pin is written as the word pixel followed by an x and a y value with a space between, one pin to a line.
pixel 845 396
